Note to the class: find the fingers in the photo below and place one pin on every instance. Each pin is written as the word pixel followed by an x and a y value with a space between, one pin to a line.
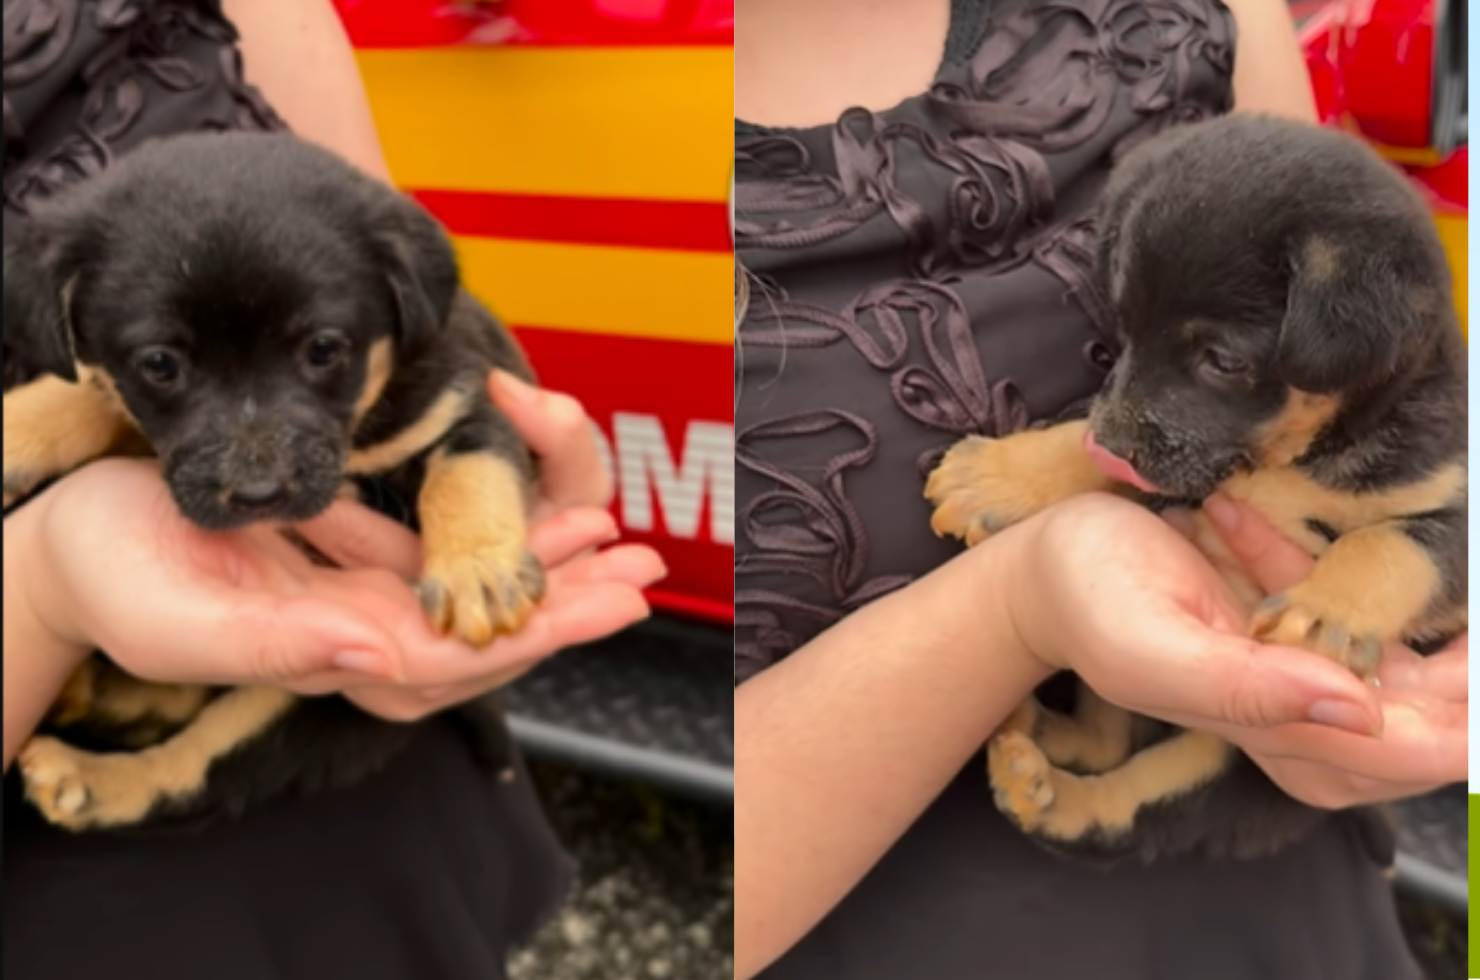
pixel 1236 681
pixel 570 532
pixel 354 536
pixel 558 432
pixel 1274 562
pixel 633 565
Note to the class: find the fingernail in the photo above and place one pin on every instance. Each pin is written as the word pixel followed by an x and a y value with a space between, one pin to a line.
pixel 364 662
pixel 1222 512
pixel 516 389
pixel 1344 715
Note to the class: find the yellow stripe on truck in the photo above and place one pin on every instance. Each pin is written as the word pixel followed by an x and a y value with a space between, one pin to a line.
pixel 646 123
pixel 592 289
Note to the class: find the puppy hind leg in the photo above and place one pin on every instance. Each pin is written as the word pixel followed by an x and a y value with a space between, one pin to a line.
pixel 1060 806
pixel 83 790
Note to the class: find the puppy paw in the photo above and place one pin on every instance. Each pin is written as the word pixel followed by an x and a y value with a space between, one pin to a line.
pixel 482 591
pixel 977 491
pixel 1022 779
pixel 54 782
pixel 18 484
pixel 1304 617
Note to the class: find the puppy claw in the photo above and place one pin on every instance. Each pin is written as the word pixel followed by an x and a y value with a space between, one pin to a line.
pixel 16 486
pixel 1022 779
pixel 1304 620
pixel 482 595
pixel 975 492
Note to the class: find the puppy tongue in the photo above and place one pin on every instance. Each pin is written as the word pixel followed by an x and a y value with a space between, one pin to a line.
pixel 1114 467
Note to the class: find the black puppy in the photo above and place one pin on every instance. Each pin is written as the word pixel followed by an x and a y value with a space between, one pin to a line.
pixel 1288 337
pixel 279 329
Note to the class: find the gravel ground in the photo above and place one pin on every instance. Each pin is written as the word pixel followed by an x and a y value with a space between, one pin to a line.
pixel 1440 942
pixel 655 896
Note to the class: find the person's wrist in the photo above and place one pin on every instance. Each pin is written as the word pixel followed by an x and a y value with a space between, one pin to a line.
pixel 1001 564
pixel 35 592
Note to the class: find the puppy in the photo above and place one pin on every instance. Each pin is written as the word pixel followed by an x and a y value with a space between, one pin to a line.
pixel 278 329
pixel 1287 333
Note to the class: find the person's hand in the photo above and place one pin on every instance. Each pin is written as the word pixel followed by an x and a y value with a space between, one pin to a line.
pixel 173 603
pixel 112 564
pixel 561 436
pixel 589 594
pixel 1105 588
pixel 1424 700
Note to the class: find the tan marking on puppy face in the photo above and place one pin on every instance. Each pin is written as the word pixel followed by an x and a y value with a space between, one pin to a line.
pixel 985 485
pixel 1320 259
pixel 82 790
pixel 53 426
pixel 1371 586
pixel 377 372
pixel 416 438
pixel 479 579
pixel 1286 439
pixel 1059 805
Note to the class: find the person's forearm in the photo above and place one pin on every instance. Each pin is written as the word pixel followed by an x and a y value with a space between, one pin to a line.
pixel 297 55
pixel 842 745
pixel 37 661
pixel 1269 73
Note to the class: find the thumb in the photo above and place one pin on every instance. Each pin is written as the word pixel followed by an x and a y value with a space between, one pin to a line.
pixel 301 642
pixel 1274 562
pixel 309 644
pixel 559 433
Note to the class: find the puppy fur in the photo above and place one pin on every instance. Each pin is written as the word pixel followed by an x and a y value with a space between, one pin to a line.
pixel 278 329
pixel 1287 333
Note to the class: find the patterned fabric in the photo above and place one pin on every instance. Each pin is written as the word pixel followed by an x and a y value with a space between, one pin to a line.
pixel 87 81
pixel 923 273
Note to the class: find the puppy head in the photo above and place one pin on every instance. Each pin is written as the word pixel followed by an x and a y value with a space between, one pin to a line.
pixel 1263 275
pixel 245 296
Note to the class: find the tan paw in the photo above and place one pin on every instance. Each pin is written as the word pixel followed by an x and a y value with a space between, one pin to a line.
pixel 977 491
pixel 55 783
pixel 1021 779
pixel 1302 617
pixel 482 592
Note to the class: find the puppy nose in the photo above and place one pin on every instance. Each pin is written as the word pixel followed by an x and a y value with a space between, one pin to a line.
pixel 258 493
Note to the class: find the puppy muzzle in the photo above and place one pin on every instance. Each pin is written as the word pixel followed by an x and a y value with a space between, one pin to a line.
pixel 239 479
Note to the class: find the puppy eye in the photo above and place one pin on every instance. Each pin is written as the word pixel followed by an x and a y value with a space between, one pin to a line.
pixel 326 350
pixel 1223 363
pixel 159 366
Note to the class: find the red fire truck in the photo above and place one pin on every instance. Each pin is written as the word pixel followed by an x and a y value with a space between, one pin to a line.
pixel 579 152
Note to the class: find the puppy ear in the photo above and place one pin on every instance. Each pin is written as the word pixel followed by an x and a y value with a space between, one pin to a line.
pixel 418 262
pixel 1353 309
pixel 39 280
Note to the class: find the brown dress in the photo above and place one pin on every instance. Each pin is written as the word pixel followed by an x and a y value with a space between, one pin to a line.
pixel 431 870
pixel 925 275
